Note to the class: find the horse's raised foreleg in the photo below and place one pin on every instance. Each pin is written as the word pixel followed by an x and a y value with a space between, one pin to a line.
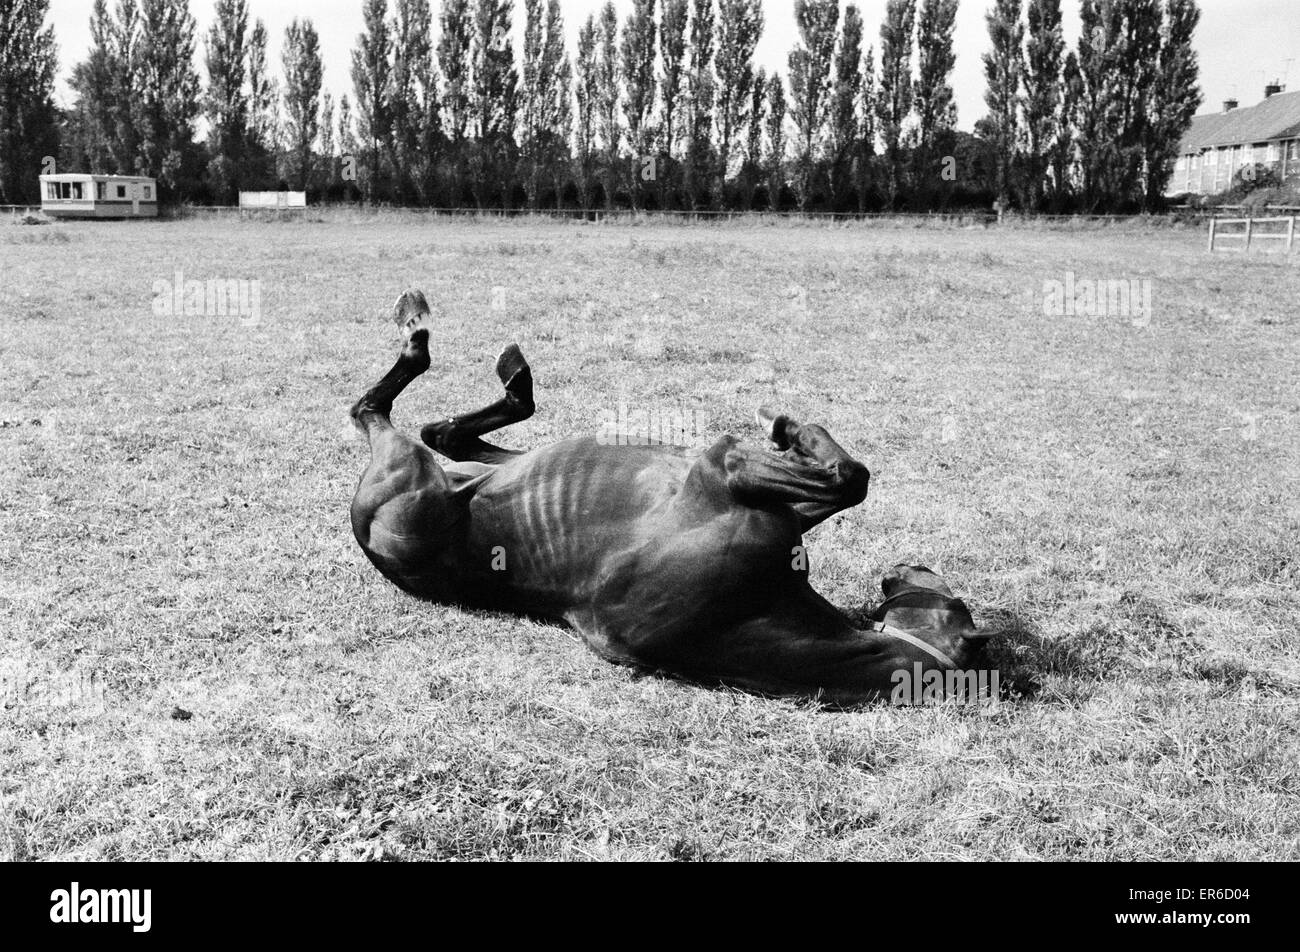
pixel 457 437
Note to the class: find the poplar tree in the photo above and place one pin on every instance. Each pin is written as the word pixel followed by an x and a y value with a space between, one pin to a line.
pixel 1175 98
pixel 263 96
pixel 28 131
pixel 587 95
pixel 348 145
pixel 168 91
pixel 637 69
pixel 672 54
pixel 1062 148
pixel 91 128
pixel 845 117
pixel 1003 68
pixel 894 87
pixel 453 61
pixel 495 80
pixel 124 80
pixel 756 114
pixel 371 59
pixel 606 69
pixel 739 27
pixel 810 66
pixel 701 89
pixel 865 159
pixel 1094 59
pixel 327 138
pixel 544 94
pixel 1044 58
pixel 226 105
pixel 303 74
pixel 935 111
pixel 776 113
pixel 412 98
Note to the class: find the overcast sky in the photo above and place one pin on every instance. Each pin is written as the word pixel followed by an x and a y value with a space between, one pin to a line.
pixel 1242 43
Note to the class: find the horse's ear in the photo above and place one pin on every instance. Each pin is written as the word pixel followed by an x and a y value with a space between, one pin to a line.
pixel 913 576
pixel 890 581
pixel 964 624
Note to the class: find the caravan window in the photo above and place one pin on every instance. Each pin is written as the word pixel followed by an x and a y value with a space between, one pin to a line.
pixel 121 191
pixel 100 191
pixel 78 191
pixel 148 192
pixel 65 190
pixel 52 190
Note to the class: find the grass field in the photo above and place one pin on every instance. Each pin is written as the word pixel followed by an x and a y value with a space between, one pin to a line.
pixel 198 662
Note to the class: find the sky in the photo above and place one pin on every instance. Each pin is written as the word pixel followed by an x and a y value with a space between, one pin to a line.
pixel 1243 44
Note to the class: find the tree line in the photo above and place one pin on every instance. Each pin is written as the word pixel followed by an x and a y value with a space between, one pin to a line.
pixel 663 109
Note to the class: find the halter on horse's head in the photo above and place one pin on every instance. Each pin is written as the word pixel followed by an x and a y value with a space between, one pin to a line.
pixel 920 609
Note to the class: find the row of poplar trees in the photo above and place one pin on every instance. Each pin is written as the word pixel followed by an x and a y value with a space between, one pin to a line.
pixel 664 108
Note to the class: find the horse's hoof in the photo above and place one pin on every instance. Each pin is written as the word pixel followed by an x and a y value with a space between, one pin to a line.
pixel 410 311
pixel 510 362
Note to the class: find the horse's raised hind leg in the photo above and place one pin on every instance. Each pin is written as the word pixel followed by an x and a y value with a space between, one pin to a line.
pixel 457 438
pixel 372 411
pixel 814 474
pixel 404 497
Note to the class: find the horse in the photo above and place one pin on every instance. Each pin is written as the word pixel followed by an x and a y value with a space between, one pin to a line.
pixel 690 564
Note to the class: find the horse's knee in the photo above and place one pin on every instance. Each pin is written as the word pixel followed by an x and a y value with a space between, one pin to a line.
pixel 439 435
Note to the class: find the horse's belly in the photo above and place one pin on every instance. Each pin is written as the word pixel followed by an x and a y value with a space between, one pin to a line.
pixel 546 529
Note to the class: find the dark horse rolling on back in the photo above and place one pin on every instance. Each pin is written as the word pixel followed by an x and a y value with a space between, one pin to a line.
pixel 685 564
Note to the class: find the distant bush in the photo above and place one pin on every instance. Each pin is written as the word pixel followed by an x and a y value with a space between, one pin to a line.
pixel 1277 195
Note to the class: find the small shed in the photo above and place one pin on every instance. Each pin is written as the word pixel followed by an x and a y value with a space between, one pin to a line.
pixel 272 201
pixel 77 195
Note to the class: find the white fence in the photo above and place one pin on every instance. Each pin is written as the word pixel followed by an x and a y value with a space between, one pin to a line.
pixel 1253 232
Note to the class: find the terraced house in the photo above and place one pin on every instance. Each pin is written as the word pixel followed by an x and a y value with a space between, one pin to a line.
pixel 1219 144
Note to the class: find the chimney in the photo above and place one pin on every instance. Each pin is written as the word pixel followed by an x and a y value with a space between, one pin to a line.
pixel 1229 105
pixel 1272 89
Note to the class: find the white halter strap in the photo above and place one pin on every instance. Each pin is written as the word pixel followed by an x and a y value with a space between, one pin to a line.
pixel 914 641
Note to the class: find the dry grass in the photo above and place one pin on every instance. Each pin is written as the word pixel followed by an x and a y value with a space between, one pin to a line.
pixel 1120 501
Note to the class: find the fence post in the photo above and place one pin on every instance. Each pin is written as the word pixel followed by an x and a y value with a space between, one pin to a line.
pixel 1250 227
pixel 1213 219
pixel 1290 234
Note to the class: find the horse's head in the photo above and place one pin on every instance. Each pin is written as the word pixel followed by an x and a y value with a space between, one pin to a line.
pixel 920 603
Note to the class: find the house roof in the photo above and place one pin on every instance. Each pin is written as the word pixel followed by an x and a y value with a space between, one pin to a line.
pixel 89 177
pixel 1277 117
